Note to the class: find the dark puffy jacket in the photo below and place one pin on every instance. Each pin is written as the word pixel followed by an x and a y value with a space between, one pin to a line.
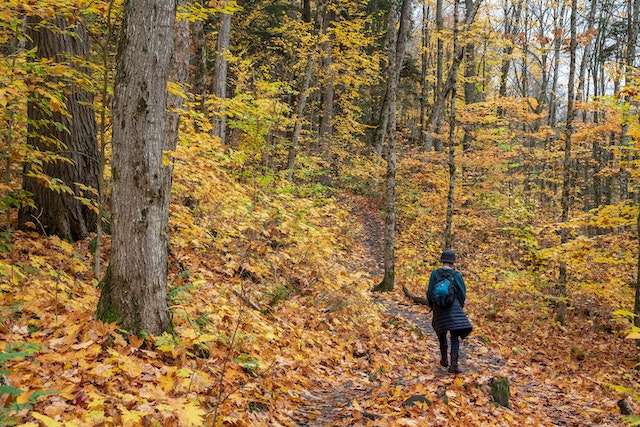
pixel 452 318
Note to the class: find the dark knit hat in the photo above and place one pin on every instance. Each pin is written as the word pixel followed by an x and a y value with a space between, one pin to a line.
pixel 448 257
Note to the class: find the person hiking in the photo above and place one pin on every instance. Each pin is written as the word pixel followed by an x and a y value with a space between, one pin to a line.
pixel 446 298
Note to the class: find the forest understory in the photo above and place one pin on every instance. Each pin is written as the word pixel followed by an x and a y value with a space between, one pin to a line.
pixel 303 346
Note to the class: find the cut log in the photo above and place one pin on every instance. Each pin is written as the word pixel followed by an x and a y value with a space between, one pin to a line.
pixel 414 298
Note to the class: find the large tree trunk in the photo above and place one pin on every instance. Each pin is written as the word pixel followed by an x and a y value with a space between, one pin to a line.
pixel 58 212
pixel 561 287
pixel 220 74
pixel 396 56
pixel 134 289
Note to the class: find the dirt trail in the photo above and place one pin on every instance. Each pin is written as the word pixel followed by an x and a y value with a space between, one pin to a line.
pixel 330 405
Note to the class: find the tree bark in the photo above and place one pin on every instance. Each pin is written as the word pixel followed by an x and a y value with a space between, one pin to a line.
pixel 220 74
pixel 179 75
pixel 134 288
pixel 632 32
pixel 586 57
pixel 633 7
pixel 302 98
pixel 558 23
pixel 470 74
pixel 435 128
pixel 301 104
pixel 561 289
pixel 199 64
pixel 58 212
pixel 396 57
pixel 439 106
pixel 426 142
pixel 327 88
pixel 448 240
pixel 511 25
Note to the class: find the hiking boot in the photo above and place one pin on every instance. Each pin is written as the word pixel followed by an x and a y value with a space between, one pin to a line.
pixel 443 357
pixel 454 369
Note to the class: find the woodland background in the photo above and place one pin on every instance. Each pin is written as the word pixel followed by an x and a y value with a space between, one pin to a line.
pixel 505 129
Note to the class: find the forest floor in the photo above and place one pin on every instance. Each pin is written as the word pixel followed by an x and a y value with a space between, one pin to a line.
pixel 325 351
pixel 540 395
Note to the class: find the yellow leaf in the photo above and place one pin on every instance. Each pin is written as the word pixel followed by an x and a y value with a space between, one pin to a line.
pixel 633 336
pixel 205 338
pixel 458 382
pixel 24 397
pixel 166 382
pixel 48 422
pixel 191 415
pixel 623 313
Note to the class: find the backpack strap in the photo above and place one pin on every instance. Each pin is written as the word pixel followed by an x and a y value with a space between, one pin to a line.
pixel 446 273
pixel 449 273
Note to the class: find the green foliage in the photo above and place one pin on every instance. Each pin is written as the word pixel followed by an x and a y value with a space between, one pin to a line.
pixel 248 363
pixel 13 352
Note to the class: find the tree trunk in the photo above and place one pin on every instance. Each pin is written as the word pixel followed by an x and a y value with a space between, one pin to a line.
pixel 396 57
pixel 178 74
pixel 448 240
pixel 632 31
pixel 634 12
pixel 586 57
pixel 439 106
pixel 424 85
pixel 327 89
pixel 435 120
pixel 57 212
pixel 301 104
pixel 558 23
pixel 199 64
pixel 470 74
pixel 107 70
pixel 561 305
pixel 511 25
pixel 220 74
pixel 302 98
pixel 134 288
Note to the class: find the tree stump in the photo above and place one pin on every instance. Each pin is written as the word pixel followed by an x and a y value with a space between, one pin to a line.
pixel 500 392
pixel 625 407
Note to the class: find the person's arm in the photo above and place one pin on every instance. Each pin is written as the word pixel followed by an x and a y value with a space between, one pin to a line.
pixel 462 288
pixel 430 288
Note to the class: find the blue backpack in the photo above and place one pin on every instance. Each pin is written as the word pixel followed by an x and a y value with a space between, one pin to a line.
pixel 444 292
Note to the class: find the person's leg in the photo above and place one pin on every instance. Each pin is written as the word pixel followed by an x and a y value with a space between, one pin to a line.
pixel 442 338
pixel 455 348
